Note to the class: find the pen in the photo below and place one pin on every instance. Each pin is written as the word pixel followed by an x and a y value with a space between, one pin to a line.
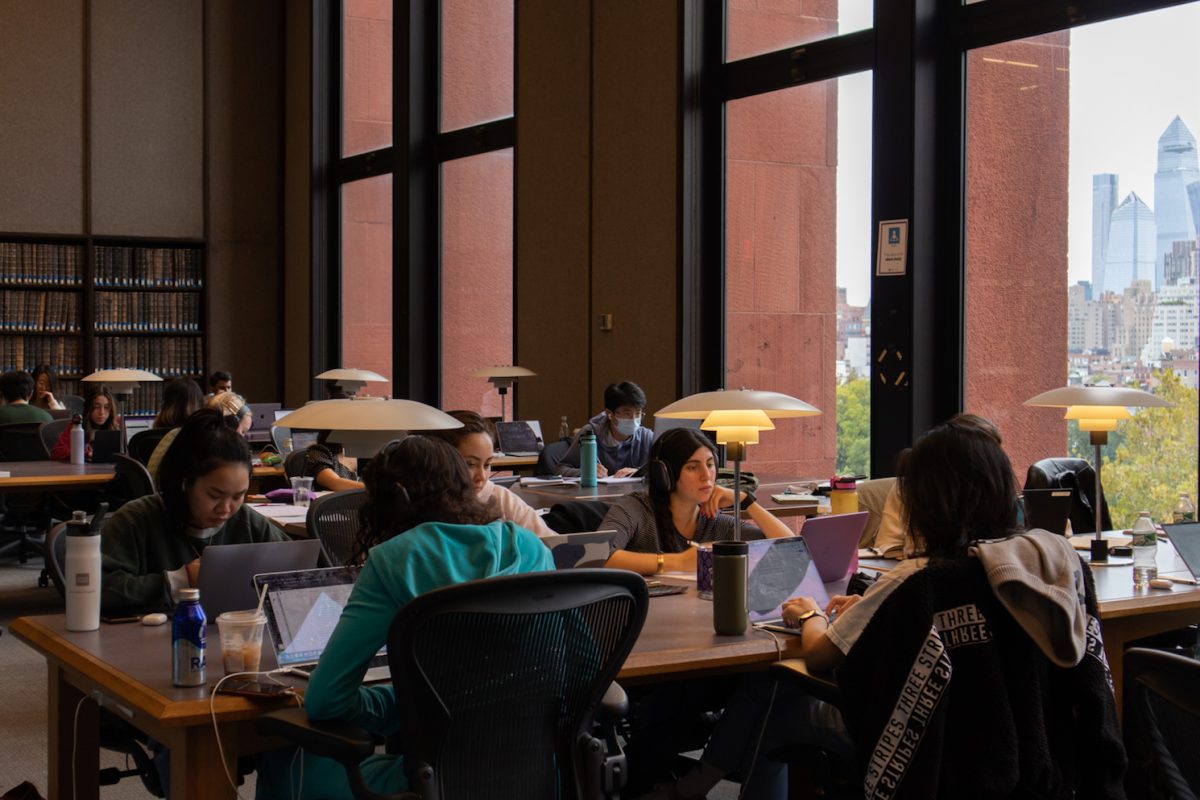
pixel 1184 581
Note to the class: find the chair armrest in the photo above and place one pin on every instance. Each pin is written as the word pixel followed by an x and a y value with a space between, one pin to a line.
pixel 822 686
pixel 337 740
pixel 614 706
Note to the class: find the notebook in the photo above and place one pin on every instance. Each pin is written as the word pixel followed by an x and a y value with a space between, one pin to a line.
pixel 519 438
pixel 1047 509
pixel 303 607
pixel 587 549
pixel 1185 536
pixel 778 570
pixel 227 571
pixel 833 542
pixel 105 445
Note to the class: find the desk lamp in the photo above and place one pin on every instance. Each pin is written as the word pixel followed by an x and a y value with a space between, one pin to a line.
pixel 364 425
pixel 737 416
pixel 503 377
pixel 1098 409
pixel 351 381
pixel 121 382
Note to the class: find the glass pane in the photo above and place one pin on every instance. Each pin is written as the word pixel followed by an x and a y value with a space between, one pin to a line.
pixel 798 265
pixel 477 278
pixel 754 27
pixel 366 75
pixel 1083 192
pixel 367 278
pixel 477 62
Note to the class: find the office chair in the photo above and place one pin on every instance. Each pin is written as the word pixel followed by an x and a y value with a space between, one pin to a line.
pixel 142 444
pixel 22 441
pixel 73 402
pixel 551 455
pixel 51 432
pixel 333 520
pixel 1077 474
pixel 293 463
pixel 576 516
pixel 24 513
pixel 131 481
pixel 515 719
pixel 872 496
pixel 1162 725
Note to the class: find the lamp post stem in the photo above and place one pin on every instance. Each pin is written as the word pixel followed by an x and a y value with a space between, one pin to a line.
pixel 737 503
pixel 1099 547
pixel 503 391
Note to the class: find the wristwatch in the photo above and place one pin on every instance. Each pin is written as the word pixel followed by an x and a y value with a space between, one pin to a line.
pixel 662 560
pixel 807 615
pixel 748 500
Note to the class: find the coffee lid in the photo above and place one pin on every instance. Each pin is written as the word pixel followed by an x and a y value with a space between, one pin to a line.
pixel 730 548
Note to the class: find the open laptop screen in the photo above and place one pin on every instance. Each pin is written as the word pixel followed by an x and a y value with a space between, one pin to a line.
pixel 778 570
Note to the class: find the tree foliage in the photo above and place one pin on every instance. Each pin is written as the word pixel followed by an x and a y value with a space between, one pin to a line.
pixel 854 427
pixel 1157 458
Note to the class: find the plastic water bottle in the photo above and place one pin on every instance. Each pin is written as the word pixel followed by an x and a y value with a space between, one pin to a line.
pixel 1145 551
pixel 77 444
pixel 188 633
pixel 1185 510
pixel 564 430
pixel 81 574
pixel 587 461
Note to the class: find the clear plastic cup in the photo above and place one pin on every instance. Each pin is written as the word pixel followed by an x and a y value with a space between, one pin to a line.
pixel 241 640
pixel 301 491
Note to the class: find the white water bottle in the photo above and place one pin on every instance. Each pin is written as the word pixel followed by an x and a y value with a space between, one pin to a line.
pixel 1145 551
pixel 77 445
pixel 81 573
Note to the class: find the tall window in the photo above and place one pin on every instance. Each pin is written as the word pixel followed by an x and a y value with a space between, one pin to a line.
pixel 1082 198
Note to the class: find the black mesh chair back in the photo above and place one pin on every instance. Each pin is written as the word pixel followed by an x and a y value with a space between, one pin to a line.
pixel 293 464
pixel 333 519
pixel 1077 474
pixel 73 402
pixel 132 479
pixel 56 554
pixel 497 681
pixel 1162 725
pixel 576 516
pixel 551 454
pixel 52 431
pixel 141 446
pixel 22 441
pixel 279 437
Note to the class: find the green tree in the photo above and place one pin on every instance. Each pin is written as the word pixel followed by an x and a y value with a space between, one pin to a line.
pixel 854 427
pixel 1157 459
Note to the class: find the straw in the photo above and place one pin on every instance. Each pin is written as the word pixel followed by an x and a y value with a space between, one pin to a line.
pixel 262 595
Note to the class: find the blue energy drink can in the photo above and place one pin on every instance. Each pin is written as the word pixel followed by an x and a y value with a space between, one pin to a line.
pixel 188 630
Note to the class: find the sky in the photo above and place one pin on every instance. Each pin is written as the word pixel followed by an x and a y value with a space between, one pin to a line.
pixel 1129 78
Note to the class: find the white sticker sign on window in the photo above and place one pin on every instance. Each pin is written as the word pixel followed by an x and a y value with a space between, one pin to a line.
pixel 893 247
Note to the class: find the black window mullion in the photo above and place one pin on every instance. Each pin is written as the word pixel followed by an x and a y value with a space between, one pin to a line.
pixel 364 165
pixel 997 21
pixel 793 66
pixel 476 140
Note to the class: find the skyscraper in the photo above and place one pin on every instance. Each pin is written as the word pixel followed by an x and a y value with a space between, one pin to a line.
pixel 1131 242
pixel 1177 167
pixel 1104 200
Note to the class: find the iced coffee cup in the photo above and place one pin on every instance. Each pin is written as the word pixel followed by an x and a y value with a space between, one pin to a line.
pixel 241 640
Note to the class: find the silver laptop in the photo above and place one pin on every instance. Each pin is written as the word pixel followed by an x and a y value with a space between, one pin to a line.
pixel 778 570
pixel 588 549
pixel 1185 537
pixel 303 608
pixel 262 415
pixel 519 438
pixel 227 571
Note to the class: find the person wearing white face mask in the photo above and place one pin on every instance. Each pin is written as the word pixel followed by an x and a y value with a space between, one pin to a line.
pixel 151 548
pixel 622 444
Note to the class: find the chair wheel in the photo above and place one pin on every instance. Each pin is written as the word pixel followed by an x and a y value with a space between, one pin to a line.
pixel 43 581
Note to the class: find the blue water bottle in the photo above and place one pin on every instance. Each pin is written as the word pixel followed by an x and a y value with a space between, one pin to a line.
pixel 188 630
pixel 587 460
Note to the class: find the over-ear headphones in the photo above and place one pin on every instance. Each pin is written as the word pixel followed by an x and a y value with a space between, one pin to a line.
pixel 658 472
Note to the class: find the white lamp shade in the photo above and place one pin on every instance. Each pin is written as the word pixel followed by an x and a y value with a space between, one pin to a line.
pixel 749 419
pixel 361 375
pixel 773 404
pixel 1067 396
pixel 120 381
pixel 508 371
pixel 367 414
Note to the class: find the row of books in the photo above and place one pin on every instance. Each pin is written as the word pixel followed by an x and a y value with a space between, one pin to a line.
pixel 55 264
pixel 145 401
pixel 158 312
pixel 167 357
pixel 39 312
pixel 26 352
pixel 149 267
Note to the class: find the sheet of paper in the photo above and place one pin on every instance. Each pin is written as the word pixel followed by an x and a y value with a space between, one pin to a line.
pixel 628 479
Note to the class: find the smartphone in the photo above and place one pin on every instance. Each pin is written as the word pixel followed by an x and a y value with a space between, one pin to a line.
pixel 255 689
pixel 120 620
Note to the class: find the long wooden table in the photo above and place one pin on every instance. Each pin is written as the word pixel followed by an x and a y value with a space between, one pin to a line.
pixel 36 476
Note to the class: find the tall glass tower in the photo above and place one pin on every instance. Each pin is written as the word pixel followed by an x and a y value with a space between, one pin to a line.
pixel 1177 167
pixel 1104 200
pixel 1131 247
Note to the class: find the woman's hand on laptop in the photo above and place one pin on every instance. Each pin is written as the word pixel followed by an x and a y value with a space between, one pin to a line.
pixel 840 602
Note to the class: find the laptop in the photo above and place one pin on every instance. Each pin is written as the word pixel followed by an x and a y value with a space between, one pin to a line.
pixel 519 438
pixel 588 549
pixel 105 445
pixel 664 424
pixel 1185 537
pixel 262 415
pixel 303 607
pixel 778 570
pixel 1047 509
pixel 833 542
pixel 227 571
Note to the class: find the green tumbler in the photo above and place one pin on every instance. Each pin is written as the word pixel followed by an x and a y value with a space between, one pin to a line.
pixel 729 588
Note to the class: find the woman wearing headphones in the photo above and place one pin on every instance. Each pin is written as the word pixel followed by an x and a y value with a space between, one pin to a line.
pixel 657 528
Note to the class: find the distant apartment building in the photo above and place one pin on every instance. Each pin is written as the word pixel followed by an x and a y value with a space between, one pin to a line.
pixel 1174 324
pixel 1180 263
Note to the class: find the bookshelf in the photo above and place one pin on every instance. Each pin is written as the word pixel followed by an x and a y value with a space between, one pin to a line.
pixel 82 304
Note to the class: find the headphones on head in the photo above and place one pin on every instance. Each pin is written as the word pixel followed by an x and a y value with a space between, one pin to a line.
pixel 658 473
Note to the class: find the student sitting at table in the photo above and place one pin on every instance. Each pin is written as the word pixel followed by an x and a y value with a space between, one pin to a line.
pixel 622 444
pixel 424 527
pixel 181 399
pixel 17 388
pixel 101 416
pixel 221 382
pixel 323 463
pixel 476 443
pixel 43 389
pixel 657 528
pixel 151 548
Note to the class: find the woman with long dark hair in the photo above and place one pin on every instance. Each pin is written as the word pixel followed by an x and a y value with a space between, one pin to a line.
pixel 151 547
pixel 181 398
pixel 43 389
pixel 657 528
pixel 423 527
pixel 100 415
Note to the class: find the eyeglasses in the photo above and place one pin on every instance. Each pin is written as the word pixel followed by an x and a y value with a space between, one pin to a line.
pixel 636 416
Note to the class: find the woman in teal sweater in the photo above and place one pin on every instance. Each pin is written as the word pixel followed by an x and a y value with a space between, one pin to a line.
pixel 423 528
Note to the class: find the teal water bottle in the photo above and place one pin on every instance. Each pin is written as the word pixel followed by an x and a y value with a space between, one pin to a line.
pixel 587 461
